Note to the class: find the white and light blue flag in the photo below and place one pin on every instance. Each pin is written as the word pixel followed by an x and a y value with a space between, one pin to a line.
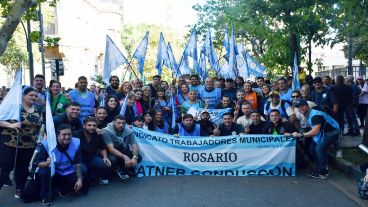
pixel 296 83
pixel 11 105
pixel 234 155
pixel 140 53
pixel 162 55
pixel 123 107
pixel 210 52
pixel 51 135
pixel 113 59
pixel 191 50
pixel 173 63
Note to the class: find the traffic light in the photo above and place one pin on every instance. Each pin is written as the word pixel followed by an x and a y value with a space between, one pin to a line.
pixel 59 67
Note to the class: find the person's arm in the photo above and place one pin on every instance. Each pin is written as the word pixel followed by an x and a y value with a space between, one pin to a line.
pixel 78 171
pixel 105 158
pixel 6 124
pixel 315 130
pixel 111 149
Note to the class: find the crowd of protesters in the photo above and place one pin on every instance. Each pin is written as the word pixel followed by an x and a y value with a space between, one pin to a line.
pixel 95 138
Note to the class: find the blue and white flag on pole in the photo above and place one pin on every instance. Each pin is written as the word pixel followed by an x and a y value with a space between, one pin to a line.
pixel 113 59
pixel 51 135
pixel 254 67
pixel 183 66
pixel 226 44
pixel 140 53
pixel 191 50
pixel 102 97
pixel 202 64
pixel 210 52
pixel 123 107
pixel 296 83
pixel 232 68
pixel 162 55
pixel 173 113
pixel 11 105
pixel 173 63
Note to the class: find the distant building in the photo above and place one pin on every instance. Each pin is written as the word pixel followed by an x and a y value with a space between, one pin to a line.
pixel 82 26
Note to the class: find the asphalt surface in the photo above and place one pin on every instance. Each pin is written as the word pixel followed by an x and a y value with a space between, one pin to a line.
pixel 197 191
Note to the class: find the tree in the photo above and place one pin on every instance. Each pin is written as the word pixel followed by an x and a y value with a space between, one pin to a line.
pixel 132 34
pixel 13 17
pixel 275 30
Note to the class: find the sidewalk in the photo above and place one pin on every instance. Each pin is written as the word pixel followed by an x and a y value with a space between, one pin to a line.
pixel 347 167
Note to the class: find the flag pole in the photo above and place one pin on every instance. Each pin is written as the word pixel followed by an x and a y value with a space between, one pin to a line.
pixel 17 142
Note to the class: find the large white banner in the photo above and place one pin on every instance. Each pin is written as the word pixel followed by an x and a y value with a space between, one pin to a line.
pixel 246 155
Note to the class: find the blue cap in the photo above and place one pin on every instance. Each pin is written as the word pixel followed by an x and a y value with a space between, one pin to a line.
pixel 301 102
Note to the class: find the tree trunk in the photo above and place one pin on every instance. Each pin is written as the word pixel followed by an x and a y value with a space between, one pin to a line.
pixel 11 22
pixel 310 56
pixel 365 133
pixel 294 48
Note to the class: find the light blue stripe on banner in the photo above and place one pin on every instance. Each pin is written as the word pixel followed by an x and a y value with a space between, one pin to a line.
pixel 172 169
pixel 205 143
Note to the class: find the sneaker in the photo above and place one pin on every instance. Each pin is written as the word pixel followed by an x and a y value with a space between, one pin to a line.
pixel 104 182
pixel 8 182
pixel 317 175
pixel 339 154
pixel 121 174
pixel 47 202
pixel 62 195
pixel 18 193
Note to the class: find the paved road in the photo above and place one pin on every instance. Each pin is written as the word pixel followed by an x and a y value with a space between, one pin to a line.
pixel 213 191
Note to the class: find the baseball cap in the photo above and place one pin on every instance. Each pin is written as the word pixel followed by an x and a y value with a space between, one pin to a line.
pixel 229 80
pixel 301 102
pixel 317 79
pixel 274 93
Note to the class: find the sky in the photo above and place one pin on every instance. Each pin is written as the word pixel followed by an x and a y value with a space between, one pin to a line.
pixel 175 14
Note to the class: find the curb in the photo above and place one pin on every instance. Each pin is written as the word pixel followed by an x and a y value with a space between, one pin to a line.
pixel 348 168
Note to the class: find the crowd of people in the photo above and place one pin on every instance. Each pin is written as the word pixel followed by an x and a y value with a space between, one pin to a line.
pixel 94 124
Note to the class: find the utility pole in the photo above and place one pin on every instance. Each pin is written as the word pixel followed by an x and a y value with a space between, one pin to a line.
pixel 350 56
pixel 42 49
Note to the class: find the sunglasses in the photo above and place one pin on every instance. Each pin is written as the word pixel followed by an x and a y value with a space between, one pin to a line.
pixel 317 82
pixel 274 97
pixel 294 96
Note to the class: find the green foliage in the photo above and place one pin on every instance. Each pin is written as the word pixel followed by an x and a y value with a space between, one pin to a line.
pixel 52 41
pixel 272 30
pixel 13 57
pixel 132 34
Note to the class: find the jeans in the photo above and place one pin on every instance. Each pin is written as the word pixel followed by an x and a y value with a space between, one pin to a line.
pixel 7 158
pixel 63 183
pixel 319 151
pixel 96 168
pixel 351 115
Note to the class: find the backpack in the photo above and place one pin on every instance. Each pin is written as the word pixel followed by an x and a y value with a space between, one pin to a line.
pixel 283 108
pixel 32 190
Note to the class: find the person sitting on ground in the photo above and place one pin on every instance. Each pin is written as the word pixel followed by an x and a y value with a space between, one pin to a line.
pixel 71 117
pixel 187 128
pixel 68 176
pixel 228 127
pixel 122 147
pixel 91 143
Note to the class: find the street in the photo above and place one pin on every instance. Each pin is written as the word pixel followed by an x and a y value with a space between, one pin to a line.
pixel 337 191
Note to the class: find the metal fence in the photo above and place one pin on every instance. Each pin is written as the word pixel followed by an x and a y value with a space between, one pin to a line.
pixel 357 71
